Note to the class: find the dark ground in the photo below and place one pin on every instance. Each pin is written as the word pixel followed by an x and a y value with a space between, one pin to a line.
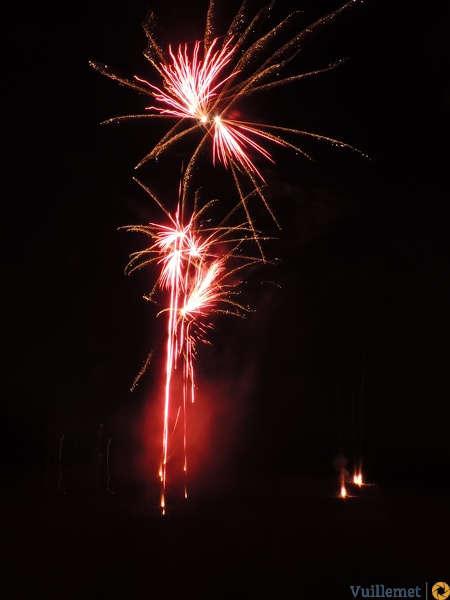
pixel 257 538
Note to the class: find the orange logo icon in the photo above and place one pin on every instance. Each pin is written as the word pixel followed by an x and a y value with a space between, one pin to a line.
pixel 440 590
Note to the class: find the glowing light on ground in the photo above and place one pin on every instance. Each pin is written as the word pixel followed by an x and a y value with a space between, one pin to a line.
pixel 357 479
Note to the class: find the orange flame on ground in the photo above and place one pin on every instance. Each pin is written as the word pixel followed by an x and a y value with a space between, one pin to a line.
pixel 357 479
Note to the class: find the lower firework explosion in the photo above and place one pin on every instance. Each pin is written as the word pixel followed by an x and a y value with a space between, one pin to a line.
pixel 197 278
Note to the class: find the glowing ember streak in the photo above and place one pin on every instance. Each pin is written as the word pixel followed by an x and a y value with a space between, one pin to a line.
pixel 202 86
pixel 204 294
pixel 231 143
pixel 343 486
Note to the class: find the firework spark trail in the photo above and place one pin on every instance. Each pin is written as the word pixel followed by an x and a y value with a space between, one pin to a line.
pixel 203 84
pixel 198 278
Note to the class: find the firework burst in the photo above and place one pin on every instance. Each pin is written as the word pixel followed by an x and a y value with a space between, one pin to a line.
pixel 198 276
pixel 203 84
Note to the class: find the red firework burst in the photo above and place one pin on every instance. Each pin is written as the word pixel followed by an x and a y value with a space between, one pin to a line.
pixel 197 278
pixel 202 85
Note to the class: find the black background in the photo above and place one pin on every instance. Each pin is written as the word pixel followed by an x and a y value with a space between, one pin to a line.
pixel 348 348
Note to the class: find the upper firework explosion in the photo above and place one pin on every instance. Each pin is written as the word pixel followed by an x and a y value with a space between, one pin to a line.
pixel 201 87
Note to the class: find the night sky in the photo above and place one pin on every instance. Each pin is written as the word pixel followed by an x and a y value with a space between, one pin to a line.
pixel 347 350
